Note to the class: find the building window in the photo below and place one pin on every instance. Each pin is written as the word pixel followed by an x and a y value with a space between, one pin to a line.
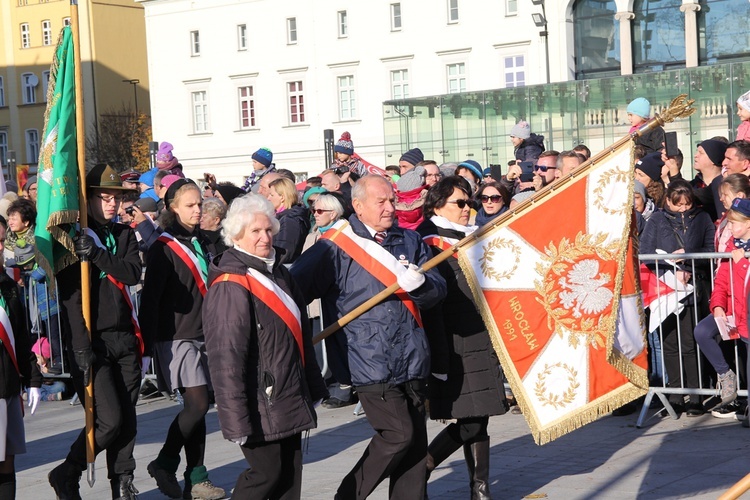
pixel 29 81
pixel 25 36
pixel 23 3
pixel 46 32
pixel 511 7
pixel 241 37
pixel 66 21
pixel 456 78
pixel 32 145
pixel 515 71
pixel 195 43
pixel 45 84
pixel 247 107
pixel 3 148
pixel 400 84
pixel 296 101
pixel 200 111
pixel 452 11
pixel 2 93
pixel 658 35
pixel 395 17
pixel 596 38
pixel 720 39
pixel 347 98
pixel 291 30
pixel 343 31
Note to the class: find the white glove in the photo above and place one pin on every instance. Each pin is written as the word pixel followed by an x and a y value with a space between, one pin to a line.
pixel 240 441
pixel 145 364
pixel 441 376
pixel 411 279
pixel 34 395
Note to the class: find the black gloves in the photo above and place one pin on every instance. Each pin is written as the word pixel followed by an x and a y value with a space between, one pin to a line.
pixel 84 359
pixel 85 247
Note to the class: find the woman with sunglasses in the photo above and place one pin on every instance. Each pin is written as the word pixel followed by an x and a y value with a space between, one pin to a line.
pixel 494 199
pixel 466 383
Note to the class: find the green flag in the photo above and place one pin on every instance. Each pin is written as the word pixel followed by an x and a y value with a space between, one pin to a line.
pixel 57 201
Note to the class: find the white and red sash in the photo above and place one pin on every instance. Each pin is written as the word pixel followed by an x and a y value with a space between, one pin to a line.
pixel 7 338
pixel 373 258
pixel 186 256
pixel 441 242
pixel 125 295
pixel 273 296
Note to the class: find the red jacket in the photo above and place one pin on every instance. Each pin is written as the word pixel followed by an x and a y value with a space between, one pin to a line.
pixel 724 287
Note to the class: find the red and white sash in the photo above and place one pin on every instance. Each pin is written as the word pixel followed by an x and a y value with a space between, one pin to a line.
pixel 186 256
pixel 125 295
pixel 373 258
pixel 273 296
pixel 7 337
pixel 441 242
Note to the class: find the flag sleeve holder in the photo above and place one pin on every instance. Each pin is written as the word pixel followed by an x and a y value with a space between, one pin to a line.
pixel 680 107
pixel 83 214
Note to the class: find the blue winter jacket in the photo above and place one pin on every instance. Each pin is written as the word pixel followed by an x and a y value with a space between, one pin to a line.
pixel 385 344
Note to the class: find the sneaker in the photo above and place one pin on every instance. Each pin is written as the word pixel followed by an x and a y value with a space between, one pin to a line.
pixel 728 410
pixel 166 481
pixel 53 397
pixel 207 491
pixel 64 480
pixel 127 490
pixel 727 384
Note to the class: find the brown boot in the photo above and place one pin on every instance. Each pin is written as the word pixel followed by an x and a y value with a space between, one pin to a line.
pixel 477 456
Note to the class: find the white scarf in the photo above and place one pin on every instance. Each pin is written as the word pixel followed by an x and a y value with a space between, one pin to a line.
pixel 268 261
pixel 444 223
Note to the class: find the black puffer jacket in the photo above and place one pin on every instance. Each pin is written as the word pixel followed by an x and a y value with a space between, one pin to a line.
pixel 10 382
pixel 460 346
pixel 530 149
pixel 294 225
pixel 262 390
pixel 692 231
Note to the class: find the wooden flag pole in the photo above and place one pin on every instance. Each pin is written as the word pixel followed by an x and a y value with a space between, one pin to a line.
pixel 680 107
pixel 83 217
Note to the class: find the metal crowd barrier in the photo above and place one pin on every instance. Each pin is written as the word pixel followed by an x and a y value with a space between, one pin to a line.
pixel 704 265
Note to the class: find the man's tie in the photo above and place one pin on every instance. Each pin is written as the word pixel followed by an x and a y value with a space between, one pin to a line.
pixel 379 237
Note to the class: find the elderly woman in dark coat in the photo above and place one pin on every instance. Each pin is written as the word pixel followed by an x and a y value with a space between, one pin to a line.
pixel 466 383
pixel 260 353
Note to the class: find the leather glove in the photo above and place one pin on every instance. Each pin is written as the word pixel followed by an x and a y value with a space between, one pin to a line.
pixel 85 246
pixel 441 376
pixel 84 359
pixel 411 279
pixel 35 394
pixel 145 363
pixel 240 441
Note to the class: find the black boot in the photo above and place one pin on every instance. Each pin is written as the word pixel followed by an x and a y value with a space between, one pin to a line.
pixel 64 480
pixel 477 456
pixel 8 485
pixel 441 447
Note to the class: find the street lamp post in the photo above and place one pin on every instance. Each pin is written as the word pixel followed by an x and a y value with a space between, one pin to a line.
pixel 540 21
pixel 134 82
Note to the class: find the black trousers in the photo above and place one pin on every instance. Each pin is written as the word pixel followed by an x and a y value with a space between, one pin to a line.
pixel 117 379
pixel 680 350
pixel 275 470
pixel 399 448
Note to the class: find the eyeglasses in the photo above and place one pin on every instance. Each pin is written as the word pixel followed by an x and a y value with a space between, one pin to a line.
pixel 437 176
pixel 320 211
pixel 109 199
pixel 459 203
pixel 495 198
pixel 542 168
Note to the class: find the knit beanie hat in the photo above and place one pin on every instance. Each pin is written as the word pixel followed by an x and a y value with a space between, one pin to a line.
pixel 640 107
pixel 148 177
pixel 165 160
pixel 30 182
pixel 412 179
pixel 229 193
pixel 412 156
pixel 345 145
pixel 521 130
pixel 474 167
pixel 744 100
pixel 310 192
pixel 741 205
pixel 41 347
pixel 264 156
pixel 640 189
pixel 651 165
pixel 715 150
pixel 168 180
pixel 172 191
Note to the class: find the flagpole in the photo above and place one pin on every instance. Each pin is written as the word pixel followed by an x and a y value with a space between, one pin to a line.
pixel 680 107
pixel 83 217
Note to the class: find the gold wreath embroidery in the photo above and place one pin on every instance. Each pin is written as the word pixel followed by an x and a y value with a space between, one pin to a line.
pixel 583 323
pixel 612 176
pixel 557 400
pixel 486 260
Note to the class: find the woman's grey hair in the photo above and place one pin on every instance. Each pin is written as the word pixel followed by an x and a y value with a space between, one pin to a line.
pixel 329 202
pixel 214 207
pixel 242 213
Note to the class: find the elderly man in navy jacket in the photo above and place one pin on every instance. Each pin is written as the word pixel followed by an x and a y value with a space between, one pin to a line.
pixel 389 357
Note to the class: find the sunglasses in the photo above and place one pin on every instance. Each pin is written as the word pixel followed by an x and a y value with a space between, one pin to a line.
pixel 320 211
pixel 495 198
pixel 542 168
pixel 459 203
